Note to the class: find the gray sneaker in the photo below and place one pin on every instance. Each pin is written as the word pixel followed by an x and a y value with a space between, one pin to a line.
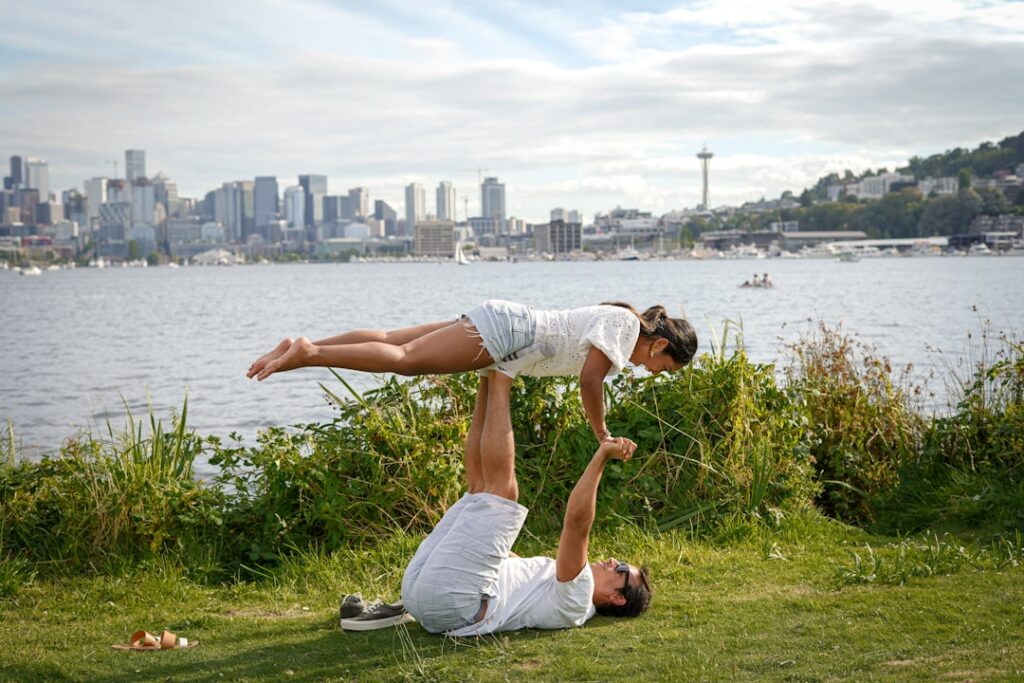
pixel 377 616
pixel 351 606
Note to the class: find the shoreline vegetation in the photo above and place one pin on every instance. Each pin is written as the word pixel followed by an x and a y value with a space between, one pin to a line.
pixel 809 524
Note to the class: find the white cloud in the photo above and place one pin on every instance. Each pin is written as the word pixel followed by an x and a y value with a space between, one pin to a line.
pixel 611 114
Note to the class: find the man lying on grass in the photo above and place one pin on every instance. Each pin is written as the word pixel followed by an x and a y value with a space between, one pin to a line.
pixel 464 580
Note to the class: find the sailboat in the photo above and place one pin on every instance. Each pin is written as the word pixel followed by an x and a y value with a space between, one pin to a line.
pixel 460 256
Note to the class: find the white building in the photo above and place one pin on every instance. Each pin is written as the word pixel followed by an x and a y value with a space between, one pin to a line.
pixel 295 206
pixel 95 197
pixel 359 202
pixel 877 186
pixel 946 185
pixel 415 205
pixel 445 201
pixel 37 177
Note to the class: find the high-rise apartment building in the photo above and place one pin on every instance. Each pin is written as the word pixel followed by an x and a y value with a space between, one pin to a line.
pixel 266 202
pixel 445 201
pixel 492 201
pixel 134 165
pixel 315 189
pixel 37 177
pixel 415 205
pixel 295 206
pixel 359 202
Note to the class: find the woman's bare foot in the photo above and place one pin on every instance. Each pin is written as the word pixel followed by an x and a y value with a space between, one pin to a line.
pixel 296 356
pixel 262 361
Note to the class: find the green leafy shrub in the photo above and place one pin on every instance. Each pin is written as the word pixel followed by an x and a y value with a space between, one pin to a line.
pixel 860 421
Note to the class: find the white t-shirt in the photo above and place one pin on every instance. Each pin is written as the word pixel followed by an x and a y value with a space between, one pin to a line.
pixel 564 339
pixel 531 596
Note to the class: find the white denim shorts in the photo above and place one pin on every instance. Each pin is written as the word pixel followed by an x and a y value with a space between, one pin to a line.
pixel 507 330
pixel 456 566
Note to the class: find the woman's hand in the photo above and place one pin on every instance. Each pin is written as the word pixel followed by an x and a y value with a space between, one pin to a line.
pixel 617 448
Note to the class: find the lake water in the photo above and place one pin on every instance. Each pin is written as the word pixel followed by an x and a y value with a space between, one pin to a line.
pixel 75 346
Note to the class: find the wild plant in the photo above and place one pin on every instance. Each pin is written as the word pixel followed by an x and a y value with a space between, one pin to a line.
pixel 860 423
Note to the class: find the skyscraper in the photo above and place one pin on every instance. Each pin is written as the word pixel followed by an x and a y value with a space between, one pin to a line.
pixel 359 202
pixel 492 201
pixel 383 212
pixel 315 189
pixel 266 202
pixel 37 177
pixel 134 165
pixel 295 206
pixel 17 171
pixel 445 201
pixel 415 205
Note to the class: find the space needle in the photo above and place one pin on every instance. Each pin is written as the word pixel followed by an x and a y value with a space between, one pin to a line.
pixel 705 157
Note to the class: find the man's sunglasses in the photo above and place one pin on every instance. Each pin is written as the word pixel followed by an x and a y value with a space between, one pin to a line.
pixel 623 568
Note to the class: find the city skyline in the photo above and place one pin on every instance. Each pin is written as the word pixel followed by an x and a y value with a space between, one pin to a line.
pixel 588 108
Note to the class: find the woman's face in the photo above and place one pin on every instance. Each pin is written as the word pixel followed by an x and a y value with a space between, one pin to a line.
pixel 661 362
pixel 657 360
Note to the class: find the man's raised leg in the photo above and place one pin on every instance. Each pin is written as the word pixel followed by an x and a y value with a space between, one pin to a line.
pixel 497 447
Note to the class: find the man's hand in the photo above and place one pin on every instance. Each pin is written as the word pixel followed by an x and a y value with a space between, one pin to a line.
pixel 617 448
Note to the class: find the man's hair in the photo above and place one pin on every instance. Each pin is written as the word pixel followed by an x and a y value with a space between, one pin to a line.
pixel 638 598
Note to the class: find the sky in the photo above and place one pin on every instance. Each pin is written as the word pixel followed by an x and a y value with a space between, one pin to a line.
pixel 578 105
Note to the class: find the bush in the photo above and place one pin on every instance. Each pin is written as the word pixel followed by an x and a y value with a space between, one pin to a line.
pixel 861 424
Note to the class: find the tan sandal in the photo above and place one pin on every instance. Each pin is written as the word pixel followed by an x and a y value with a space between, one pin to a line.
pixel 146 641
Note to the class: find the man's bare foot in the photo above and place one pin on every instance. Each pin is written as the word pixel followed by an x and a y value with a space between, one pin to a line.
pixel 262 361
pixel 296 356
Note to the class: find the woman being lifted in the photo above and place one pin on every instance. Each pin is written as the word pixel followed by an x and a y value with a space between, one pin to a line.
pixel 591 342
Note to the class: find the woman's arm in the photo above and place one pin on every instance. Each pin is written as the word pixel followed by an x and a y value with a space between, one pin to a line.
pixel 595 368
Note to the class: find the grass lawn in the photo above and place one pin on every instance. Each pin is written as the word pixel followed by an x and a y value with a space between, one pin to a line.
pixel 789 605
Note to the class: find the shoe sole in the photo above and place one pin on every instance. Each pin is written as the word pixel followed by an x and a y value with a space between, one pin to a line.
pixel 374 624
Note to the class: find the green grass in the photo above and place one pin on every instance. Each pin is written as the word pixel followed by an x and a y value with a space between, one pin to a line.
pixel 763 606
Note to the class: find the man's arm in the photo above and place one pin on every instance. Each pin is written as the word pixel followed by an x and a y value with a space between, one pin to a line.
pixel 579 511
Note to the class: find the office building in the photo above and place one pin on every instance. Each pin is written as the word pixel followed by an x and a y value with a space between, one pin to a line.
pixel 434 238
pixel 314 188
pixel 359 202
pixel 143 202
pixel 387 216
pixel 17 172
pixel 37 177
pixel 415 205
pixel 134 165
pixel 95 197
pixel 558 237
pixel 492 201
pixel 165 193
pixel 295 206
pixel 335 208
pixel 266 203
pixel 445 201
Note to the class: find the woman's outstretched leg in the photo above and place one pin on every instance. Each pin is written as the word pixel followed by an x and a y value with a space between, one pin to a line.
pixel 455 347
pixel 401 336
